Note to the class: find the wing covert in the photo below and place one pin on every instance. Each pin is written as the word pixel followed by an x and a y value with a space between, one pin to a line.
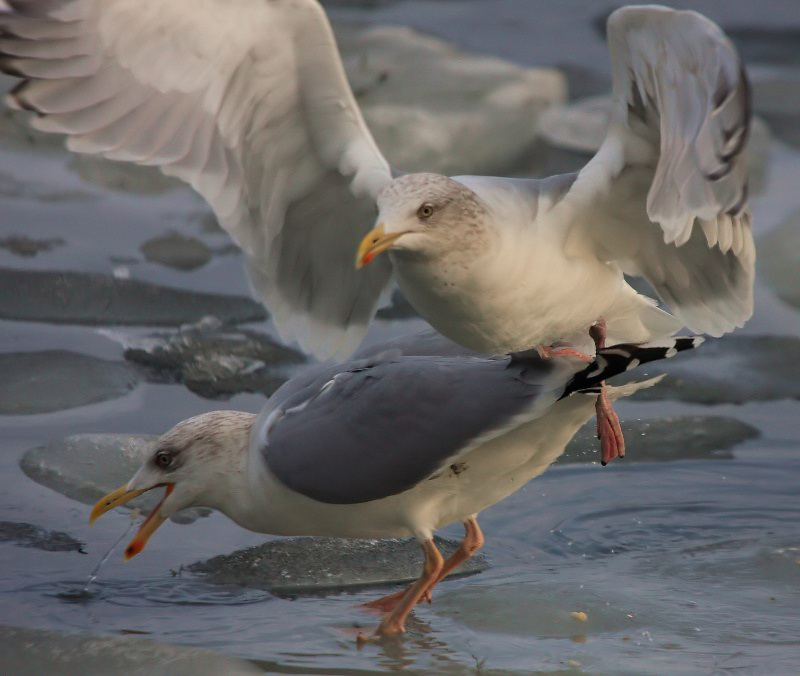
pixel 383 426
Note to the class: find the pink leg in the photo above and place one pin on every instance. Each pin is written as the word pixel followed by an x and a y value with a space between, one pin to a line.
pixel 472 542
pixel 546 352
pixel 609 430
pixel 394 623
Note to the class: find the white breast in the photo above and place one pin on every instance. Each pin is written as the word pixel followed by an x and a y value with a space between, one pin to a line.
pixel 521 292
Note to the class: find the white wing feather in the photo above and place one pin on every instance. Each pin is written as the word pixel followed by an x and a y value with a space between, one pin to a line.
pixel 245 100
pixel 677 135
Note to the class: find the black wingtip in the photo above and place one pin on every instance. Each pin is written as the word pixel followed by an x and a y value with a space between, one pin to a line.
pixel 611 361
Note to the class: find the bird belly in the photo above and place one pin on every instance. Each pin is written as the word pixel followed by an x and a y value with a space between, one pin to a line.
pixel 501 467
pixel 505 307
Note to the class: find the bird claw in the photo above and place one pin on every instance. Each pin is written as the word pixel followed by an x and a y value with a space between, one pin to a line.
pixel 385 629
pixel 609 430
pixel 388 603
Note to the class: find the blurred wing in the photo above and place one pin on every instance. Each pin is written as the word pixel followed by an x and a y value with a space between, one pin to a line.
pixel 666 194
pixel 245 100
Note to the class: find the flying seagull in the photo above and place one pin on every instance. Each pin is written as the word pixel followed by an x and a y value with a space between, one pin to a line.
pixel 248 102
pixel 395 444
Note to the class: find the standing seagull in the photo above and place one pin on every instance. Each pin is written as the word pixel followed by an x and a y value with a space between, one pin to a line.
pixel 388 446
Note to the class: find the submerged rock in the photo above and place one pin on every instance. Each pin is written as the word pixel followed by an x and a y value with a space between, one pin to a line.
pixel 306 564
pixel 83 298
pixel 690 437
pixel 40 651
pixel 176 251
pixel 733 369
pixel 54 380
pixel 28 535
pixel 779 259
pixel 214 361
pixel 20 245
pixel 85 467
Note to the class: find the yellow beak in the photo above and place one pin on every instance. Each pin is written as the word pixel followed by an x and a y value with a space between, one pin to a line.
pixel 374 243
pixel 122 496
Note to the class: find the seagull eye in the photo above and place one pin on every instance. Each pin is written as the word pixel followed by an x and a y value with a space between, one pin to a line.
pixel 163 459
pixel 425 211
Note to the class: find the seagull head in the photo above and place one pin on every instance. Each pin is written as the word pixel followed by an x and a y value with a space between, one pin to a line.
pixel 200 461
pixel 424 215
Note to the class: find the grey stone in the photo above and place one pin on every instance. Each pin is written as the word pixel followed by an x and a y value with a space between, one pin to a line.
pixel 690 437
pixel 305 564
pixel 28 535
pixel 20 245
pixel 176 251
pixel 214 361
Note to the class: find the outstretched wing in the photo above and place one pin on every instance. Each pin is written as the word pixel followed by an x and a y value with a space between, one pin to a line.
pixel 666 194
pixel 245 100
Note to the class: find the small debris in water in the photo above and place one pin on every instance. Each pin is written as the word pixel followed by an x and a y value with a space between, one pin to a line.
pixel 579 615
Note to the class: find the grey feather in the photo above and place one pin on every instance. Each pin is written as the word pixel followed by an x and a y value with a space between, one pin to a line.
pixel 387 425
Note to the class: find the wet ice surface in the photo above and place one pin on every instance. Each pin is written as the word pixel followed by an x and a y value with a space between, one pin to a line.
pixel 77 298
pixel 23 654
pixel 53 380
pixel 686 565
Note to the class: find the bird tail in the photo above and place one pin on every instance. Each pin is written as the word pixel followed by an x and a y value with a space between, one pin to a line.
pixel 611 361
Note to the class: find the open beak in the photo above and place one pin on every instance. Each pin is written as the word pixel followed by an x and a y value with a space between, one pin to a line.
pixel 122 496
pixel 374 243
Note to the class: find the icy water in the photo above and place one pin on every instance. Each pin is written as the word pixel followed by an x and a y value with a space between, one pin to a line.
pixel 685 558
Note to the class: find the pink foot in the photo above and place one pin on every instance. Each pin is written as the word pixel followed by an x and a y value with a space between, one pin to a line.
pixel 388 603
pixel 609 431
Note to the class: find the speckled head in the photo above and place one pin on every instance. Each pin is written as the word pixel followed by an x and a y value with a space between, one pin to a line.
pixel 200 461
pixel 424 215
